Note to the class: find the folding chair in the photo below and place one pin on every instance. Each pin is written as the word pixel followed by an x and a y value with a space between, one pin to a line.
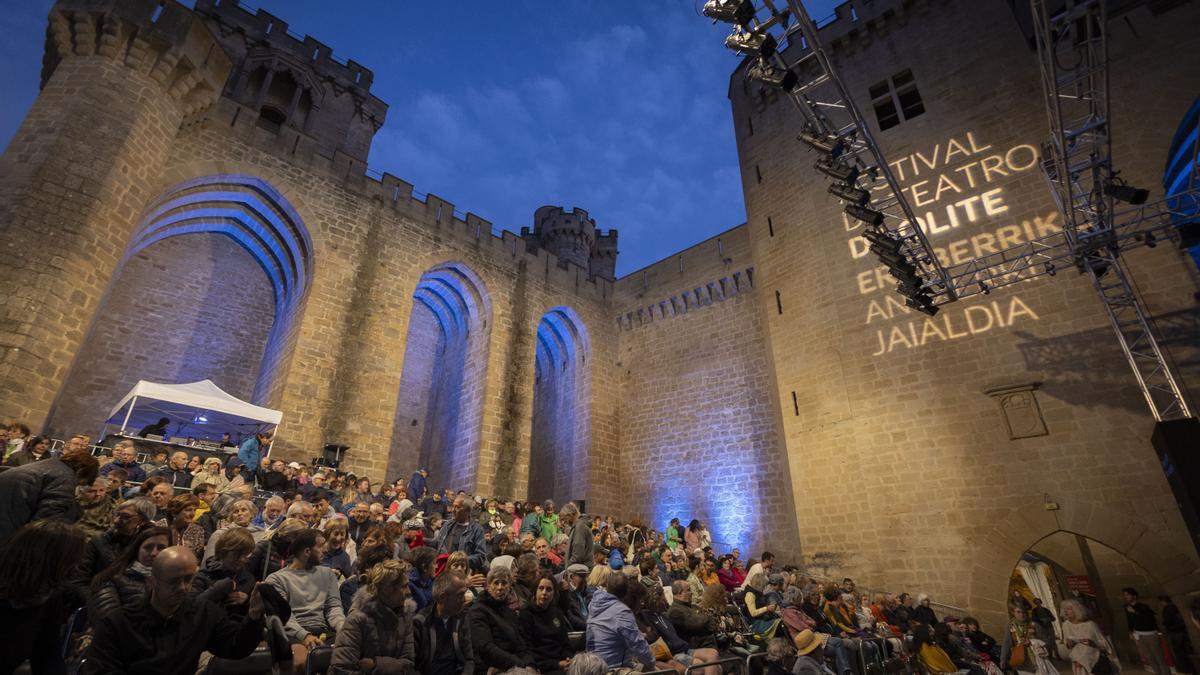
pixel 318 661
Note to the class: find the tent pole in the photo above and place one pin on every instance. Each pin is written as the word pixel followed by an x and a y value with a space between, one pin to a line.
pixel 129 412
pixel 271 444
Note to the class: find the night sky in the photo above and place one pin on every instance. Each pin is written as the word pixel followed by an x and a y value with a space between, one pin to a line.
pixel 615 106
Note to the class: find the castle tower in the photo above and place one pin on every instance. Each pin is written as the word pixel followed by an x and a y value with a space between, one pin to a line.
pixel 572 237
pixel 293 85
pixel 118 79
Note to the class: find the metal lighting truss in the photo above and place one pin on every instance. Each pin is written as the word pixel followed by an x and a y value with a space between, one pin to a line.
pixel 834 125
pixel 1077 163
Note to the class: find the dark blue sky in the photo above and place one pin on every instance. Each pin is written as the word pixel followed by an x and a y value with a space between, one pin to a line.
pixel 615 106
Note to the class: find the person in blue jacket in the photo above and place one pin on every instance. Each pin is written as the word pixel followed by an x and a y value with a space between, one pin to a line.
pixel 250 454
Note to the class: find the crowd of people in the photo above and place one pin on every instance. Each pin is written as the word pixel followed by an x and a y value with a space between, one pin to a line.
pixel 177 564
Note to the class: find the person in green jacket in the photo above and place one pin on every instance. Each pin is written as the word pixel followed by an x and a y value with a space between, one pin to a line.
pixel 532 522
pixel 549 521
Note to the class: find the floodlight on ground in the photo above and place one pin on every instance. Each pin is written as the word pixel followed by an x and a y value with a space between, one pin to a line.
pixel 751 43
pixel 737 12
pixel 850 193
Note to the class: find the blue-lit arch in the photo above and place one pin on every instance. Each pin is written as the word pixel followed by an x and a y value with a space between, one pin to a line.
pixel 561 427
pixel 439 405
pixel 1182 174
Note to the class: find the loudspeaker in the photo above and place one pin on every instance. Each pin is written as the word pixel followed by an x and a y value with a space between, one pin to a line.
pixel 333 454
pixel 1177 444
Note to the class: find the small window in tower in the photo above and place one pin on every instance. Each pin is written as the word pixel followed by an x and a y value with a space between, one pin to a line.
pixel 896 100
pixel 271 119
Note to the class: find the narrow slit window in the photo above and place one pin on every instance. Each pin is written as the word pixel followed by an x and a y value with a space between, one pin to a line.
pixel 778 302
pixel 795 404
pixel 770 227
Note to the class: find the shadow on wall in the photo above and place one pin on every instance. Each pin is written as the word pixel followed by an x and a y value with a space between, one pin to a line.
pixel 439 406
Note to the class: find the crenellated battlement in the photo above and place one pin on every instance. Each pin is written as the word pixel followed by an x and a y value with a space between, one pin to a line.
pixel 573 237
pixel 262 27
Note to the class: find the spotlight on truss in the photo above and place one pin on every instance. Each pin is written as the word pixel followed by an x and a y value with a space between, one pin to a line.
pixel 849 193
pixel 737 12
pixel 772 75
pixel 868 216
pixel 924 304
pixel 1122 191
pixel 847 173
pixel 828 144
pixel 751 43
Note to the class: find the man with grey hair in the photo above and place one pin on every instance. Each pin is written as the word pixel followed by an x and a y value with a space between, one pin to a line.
pixel 125 457
pixel 579 536
pixel 128 518
pixel 271 515
pixel 304 511
pixel 176 471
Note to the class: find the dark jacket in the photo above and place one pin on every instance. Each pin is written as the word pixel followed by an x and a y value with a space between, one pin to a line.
pixel 101 551
pixel 24 456
pixel 698 628
pixel 265 559
pixel 137 639
pixel 134 470
pixel 416 487
pixel 574 607
pixel 425 639
pixel 899 617
pixel 212 574
pixel 33 632
pixel 420 589
pixel 924 615
pixel 579 545
pixel 126 589
pixel 545 633
pixel 494 635
pixel 374 631
pixel 275 481
pixel 38 491
pixel 178 478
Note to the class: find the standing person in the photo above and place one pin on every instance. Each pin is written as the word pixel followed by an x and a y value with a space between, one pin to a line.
pixel 463 534
pixel 1090 651
pixel 580 542
pixel 416 485
pixel 1177 635
pixel 312 593
pixel 1143 629
pixel 167 632
pixel 1043 621
pixel 377 636
pixel 43 490
pixel 549 521
pixel 1016 653
pixel 34 566
pixel 250 454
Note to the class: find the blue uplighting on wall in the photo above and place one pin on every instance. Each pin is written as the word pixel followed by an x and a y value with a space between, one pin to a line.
pixel 1183 167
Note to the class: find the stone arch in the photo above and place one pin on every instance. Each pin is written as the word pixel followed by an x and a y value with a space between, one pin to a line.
pixel 560 437
pixel 243 209
pixel 439 406
pixel 1016 531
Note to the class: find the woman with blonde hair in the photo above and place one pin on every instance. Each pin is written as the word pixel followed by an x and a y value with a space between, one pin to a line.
pixel 598 577
pixel 377 636
pixel 1091 651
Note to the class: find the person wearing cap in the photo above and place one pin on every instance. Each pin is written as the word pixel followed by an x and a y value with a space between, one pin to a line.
pixel 575 595
pixel 809 660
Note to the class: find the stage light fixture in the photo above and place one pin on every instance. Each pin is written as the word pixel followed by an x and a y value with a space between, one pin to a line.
pixel 850 193
pixel 737 12
pixel 1050 269
pixel 925 306
pixel 984 288
pixel 1121 191
pixel 772 75
pixel 751 43
pixel 830 145
pixel 868 216
pixel 847 173
pixel 1150 240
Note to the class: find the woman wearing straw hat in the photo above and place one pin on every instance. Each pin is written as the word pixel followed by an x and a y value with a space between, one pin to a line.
pixel 809 655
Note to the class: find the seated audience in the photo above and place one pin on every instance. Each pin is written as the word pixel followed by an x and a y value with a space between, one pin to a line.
pixel 311 592
pixel 336 557
pixel 35 449
pixel 225 578
pixel 420 580
pixel 176 471
pixel 181 519
pixel 97 507
pixel 441 633
pixel 239 515
pixel 574 596
pixel 34 565
pixel 168 630
pixel 123 583
pixel 377 635
pixel 612 630
pixel 545 629
pixel 495 637
pixel 128 519
pixel 211 472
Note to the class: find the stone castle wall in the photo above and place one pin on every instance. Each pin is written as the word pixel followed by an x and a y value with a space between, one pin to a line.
pixel 902 466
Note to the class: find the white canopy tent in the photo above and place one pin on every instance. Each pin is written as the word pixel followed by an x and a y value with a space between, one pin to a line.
pixel 194 408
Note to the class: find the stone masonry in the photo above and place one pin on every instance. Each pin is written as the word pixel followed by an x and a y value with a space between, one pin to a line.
pixel 188 198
